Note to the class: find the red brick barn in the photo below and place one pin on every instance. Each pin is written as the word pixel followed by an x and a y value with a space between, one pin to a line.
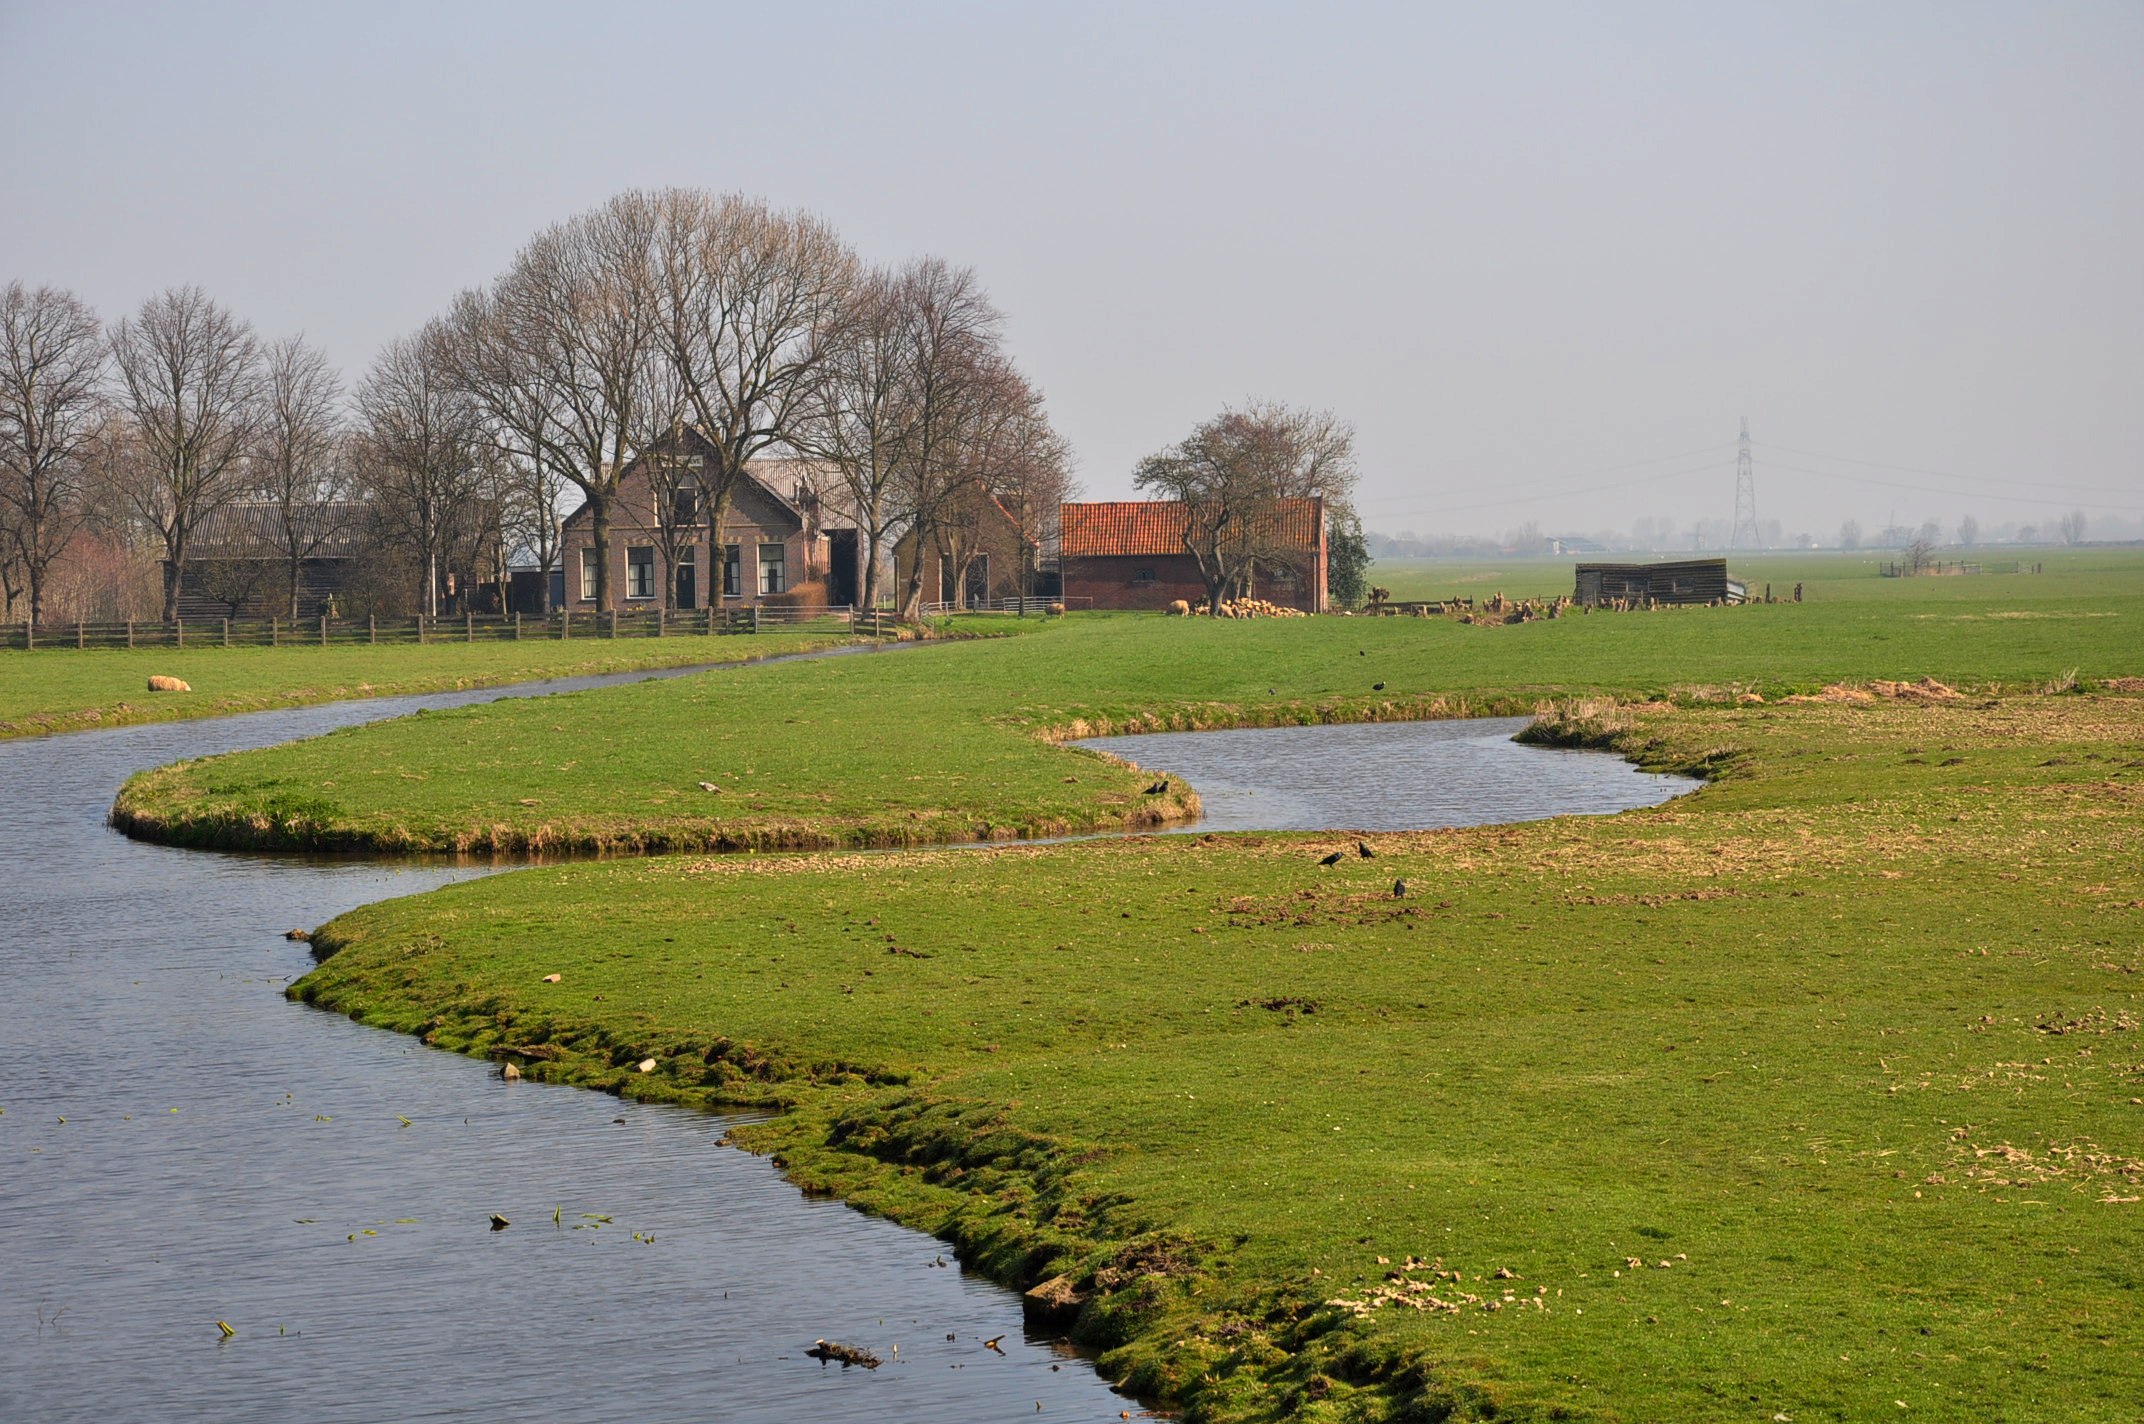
pixel 1131 554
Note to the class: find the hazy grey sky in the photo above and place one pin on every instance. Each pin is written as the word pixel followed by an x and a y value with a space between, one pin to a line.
pixel 1513 243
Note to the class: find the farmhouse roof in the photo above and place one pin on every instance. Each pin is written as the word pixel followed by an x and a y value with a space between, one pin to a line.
pixel 1150 527
pixel 332 530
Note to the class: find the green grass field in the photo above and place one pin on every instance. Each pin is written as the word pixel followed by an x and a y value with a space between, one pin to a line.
pixel 1819 1092
pixel 1825 576
pixel 1810 1093
pixel 63 690
pixel 945 743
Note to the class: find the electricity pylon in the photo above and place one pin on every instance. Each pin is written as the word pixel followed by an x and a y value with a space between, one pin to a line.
pixel 1745 528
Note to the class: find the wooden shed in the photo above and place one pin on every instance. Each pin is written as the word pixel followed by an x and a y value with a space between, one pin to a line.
pixel 1682 581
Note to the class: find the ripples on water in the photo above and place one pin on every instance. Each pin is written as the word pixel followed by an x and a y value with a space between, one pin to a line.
pixel 225 1153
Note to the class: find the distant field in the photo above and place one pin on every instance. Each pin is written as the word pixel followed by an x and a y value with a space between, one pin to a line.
pixel 943 743
pixel 2069 573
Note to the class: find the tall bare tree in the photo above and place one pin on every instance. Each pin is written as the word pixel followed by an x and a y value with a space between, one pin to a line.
pixel 51 371
pixel 748 298
pixel 189 384
pixel 1231 474
pixel 578 320
pixel 953 376
pixel 300 468
pixel 421 441
pixel 514 411
pixel 862 416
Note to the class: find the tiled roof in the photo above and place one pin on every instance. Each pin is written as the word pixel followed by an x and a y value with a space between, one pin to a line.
pixel 1150 527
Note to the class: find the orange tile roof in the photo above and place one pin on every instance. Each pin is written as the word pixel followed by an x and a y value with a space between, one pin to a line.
pixel 1148 527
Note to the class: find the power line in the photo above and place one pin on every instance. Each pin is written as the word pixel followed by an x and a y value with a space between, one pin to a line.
pixel 1579 475
pixel 1711 468
pixel 2042 502
pixel 1939 474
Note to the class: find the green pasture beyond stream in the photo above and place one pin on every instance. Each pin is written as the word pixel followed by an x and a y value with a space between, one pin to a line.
pixel 1818 1093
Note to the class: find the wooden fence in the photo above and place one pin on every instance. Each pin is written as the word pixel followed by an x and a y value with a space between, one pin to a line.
pixel 455 628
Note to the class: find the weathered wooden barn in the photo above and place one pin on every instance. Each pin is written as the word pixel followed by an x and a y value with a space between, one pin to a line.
pixel 1681 581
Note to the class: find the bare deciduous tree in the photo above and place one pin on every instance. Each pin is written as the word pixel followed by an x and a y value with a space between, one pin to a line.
pixel 951 371
pixel 1968 532
pixel 515 414
pixel 189 384
pixel 747 298
pixel 576 322
pixel 2072 526
pixel 1231 474
pixel 300 467
pixel 51 371
pixel 420 445
pixel 861 414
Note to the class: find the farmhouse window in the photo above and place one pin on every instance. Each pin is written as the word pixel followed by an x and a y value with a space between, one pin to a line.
pixel 771 573
pixel 685 505
pixel 588 575
pixel 640 571
pixel 732 579
pixel 1143 576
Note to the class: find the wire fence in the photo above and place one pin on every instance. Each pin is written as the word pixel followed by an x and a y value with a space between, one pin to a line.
pixel 564 625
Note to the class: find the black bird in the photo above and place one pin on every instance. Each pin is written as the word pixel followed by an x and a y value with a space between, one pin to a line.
pixel 1333 859
pixel 1158 787
pixel 1362 848
pixel 1377 687
pixel 1361 653
pixel 1399 889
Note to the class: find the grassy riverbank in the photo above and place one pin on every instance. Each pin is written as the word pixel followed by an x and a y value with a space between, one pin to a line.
pixel 1811 1094
pixel 948 743
pixel 64 690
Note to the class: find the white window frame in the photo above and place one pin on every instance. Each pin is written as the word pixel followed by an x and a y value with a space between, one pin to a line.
pixel 640 586
pixel 588 575
pixel 774 572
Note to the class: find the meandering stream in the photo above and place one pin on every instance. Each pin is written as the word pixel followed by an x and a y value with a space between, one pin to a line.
pixel 180 1145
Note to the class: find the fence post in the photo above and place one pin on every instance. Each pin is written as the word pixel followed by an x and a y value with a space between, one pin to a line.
pixel 275 636
pixel 468 625
pixel 420 630
pixel 29 635
pixel 659 611
pixel 130 635
pixel 323 630
pixel 372 627
pixel 81 639
pixel 179 629
pixel 517 625
pixel 755 618
pixel 565 624
pixel 227 632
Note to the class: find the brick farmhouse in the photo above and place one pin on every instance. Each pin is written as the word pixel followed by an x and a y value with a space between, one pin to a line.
pixel 1131 554
pixel 781 541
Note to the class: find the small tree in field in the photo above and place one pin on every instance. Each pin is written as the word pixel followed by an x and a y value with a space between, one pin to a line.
pixel 1231 474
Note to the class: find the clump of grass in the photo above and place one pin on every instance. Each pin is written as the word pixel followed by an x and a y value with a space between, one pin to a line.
pixel 1579 722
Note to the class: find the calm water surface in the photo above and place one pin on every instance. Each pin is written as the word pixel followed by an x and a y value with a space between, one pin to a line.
pixel 221 1148
pixel 1389 776
pixel 181 1145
